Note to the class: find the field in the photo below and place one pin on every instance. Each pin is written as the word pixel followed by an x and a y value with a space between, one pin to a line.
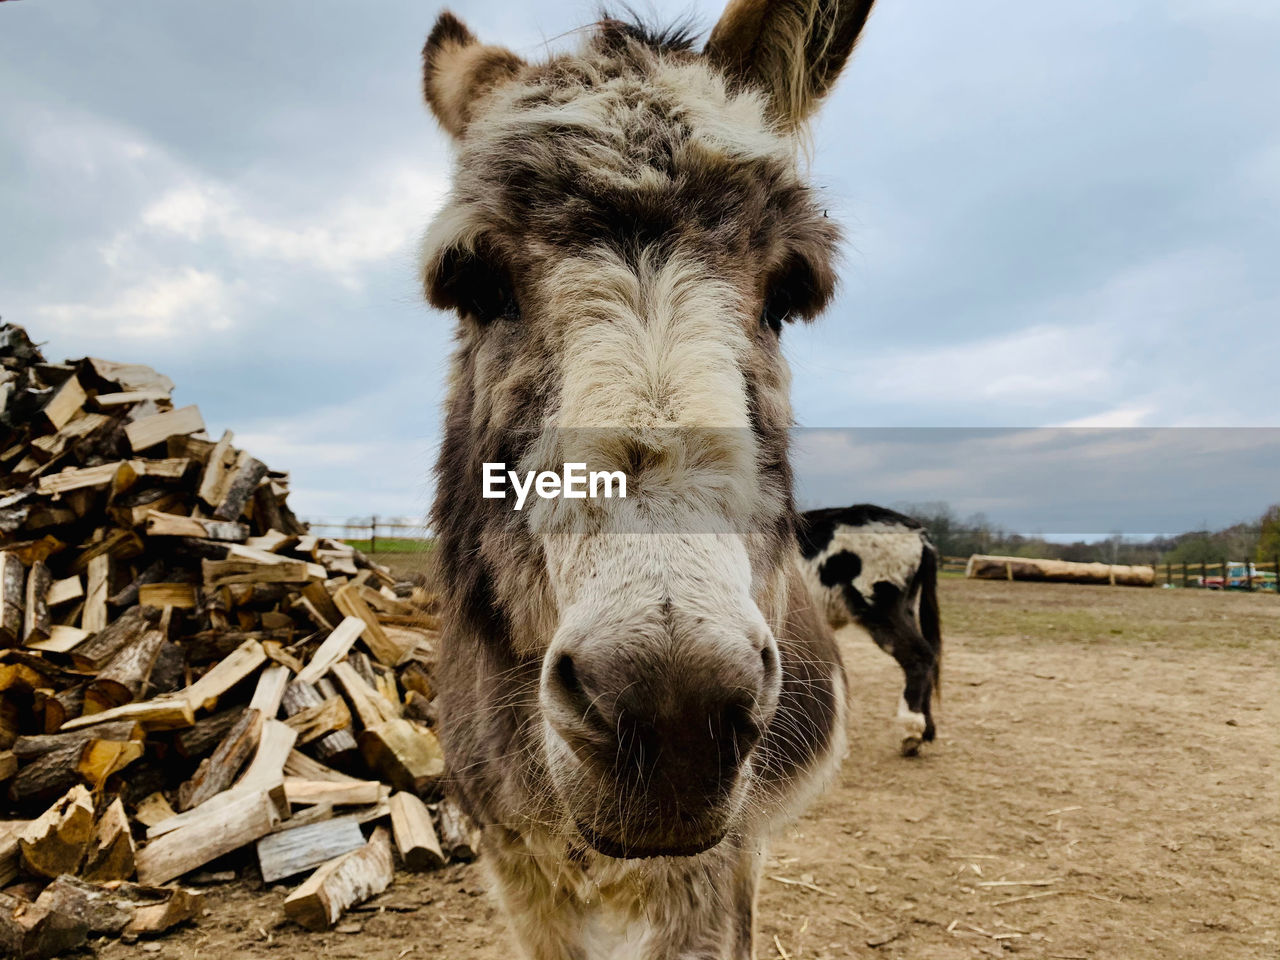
pixel 1105 788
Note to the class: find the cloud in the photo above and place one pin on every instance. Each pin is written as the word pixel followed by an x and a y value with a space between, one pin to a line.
pixel 366 227
pixel 161 306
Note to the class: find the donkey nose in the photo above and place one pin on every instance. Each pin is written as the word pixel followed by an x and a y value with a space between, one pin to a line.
pixel 702 707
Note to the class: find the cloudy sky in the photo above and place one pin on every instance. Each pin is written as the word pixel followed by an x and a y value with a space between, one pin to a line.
pixel 1058 214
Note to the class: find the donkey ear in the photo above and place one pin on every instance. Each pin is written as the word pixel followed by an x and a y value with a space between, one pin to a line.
pixel 792 49
pixel 458 72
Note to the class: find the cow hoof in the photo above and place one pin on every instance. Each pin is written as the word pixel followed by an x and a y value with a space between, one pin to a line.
pixel 911 746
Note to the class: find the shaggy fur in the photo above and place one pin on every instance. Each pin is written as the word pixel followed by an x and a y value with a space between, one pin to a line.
pixel 633 692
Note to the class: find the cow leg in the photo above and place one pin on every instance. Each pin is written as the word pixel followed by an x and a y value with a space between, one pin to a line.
pixel 546 924
pixel 907 645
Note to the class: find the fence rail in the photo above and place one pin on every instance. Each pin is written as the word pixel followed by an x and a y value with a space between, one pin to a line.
pixel 376 535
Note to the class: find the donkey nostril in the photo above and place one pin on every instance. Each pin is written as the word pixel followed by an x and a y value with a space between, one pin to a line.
pixel 769 659
pixel 567 673
pixel 738 719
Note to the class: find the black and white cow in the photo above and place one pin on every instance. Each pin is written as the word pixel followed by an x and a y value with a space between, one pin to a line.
pixel 871 566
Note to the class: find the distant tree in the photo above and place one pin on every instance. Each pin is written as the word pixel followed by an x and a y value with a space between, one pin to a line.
pixel 1269 535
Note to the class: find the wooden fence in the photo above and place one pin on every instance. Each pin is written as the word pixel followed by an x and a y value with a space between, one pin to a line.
pixel 1220 575
pixel 376 534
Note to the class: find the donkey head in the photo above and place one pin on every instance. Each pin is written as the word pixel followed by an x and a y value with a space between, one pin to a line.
pixel 627 235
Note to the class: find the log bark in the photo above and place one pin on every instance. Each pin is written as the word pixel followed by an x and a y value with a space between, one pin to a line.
pixel 248 474
pixel 102 913
pixel 218 771
pixel 200 740
pixel 337 747
pixel 342 883
pixel 171 525
pixel 124 677
pixel 982 567
pixel 36 623
pixel 30 747
pixel 459 836
pixel 94 653
pixel 414 833
pixel 30 932
pixel 12 599
pixel 290 852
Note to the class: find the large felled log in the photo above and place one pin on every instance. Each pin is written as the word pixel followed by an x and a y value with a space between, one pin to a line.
pixel 111 851
pixel 290 852
pixel 414 833
pixel 55 843
pixel 221 831
pixel 342 883
pixel 12 599
pixel 31 932
pixel 981 567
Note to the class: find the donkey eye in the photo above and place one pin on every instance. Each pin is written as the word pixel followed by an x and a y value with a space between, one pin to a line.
pixel 776 311
pixel 474 285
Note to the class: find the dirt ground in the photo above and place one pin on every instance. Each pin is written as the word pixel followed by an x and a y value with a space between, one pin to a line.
pixel 1104 788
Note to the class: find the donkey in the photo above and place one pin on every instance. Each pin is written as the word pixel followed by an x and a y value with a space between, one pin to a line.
pixel 634 694
pixel 878 568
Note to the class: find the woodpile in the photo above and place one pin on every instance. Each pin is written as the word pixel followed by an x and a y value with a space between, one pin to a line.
pixel 981 567
pixel 187 675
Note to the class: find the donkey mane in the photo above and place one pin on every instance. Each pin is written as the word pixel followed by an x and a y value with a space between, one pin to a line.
pixel 677 36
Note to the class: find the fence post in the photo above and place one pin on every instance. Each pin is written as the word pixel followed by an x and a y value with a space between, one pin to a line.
pixel 1226 577
pixel 373 534
pixel 1204 571
pixel 1185 580
pixel 1277 559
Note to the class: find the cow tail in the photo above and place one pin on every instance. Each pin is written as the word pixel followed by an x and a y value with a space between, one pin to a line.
pixel 930 616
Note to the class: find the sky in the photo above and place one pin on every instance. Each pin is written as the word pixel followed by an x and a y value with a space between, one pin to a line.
pixel 1056 215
